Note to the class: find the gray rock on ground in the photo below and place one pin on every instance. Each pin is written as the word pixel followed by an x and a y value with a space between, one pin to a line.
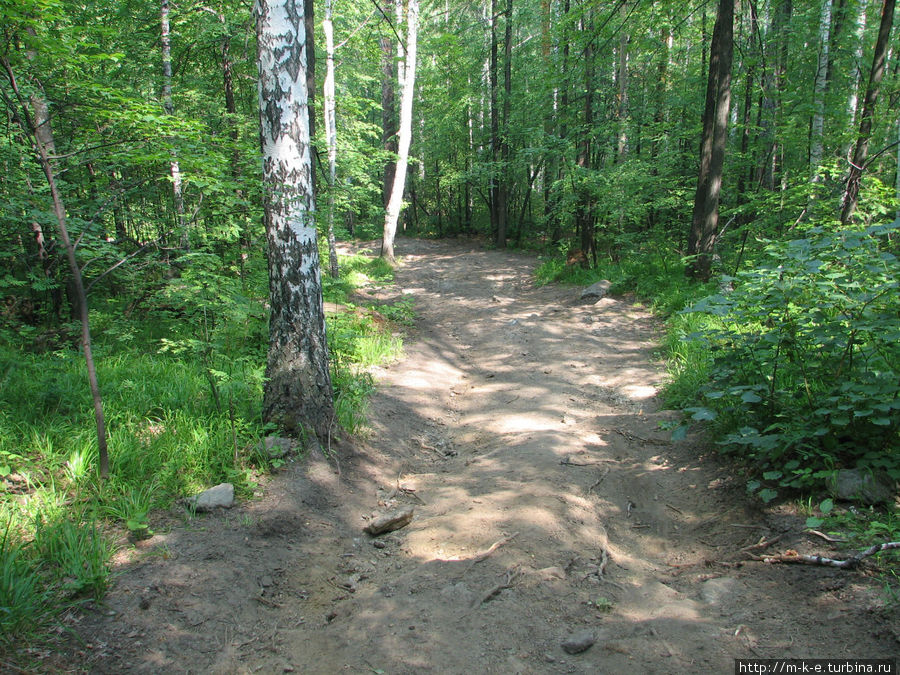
pixel 579 642
pixel 598 290
pixel 219 496
pixel 869 488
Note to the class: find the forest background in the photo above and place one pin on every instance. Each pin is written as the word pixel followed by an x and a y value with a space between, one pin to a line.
pixel 571 128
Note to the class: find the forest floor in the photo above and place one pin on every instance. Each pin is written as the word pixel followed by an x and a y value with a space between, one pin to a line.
pixel 523 427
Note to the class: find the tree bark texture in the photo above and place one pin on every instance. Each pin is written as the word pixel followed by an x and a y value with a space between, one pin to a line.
pixel 298 394
pixel 395 204
pixel 861 151
pixel 330 134
pixel 705 220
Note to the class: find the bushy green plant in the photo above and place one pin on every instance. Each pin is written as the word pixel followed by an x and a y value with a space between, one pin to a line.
pixel 805 358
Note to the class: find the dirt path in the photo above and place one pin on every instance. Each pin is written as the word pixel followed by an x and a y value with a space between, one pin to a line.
pixel 522 422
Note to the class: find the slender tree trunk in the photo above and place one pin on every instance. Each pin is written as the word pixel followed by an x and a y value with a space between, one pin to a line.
pixel 584 215
pixel 388 116
pixel 495 126
pixel 395 203
pixel 659 112
pixel 330 134
pixel 297 395
pixel 38 135
pixel 853 98
pixel 861 152
pixel 622 91
pixel 705 220
pixel 309 23
pixel 169 107
pixel 503 191
pixel 817 134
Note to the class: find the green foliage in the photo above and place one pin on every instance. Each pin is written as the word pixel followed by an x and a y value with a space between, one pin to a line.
pixel 76 554
pixel 24 600
pixel 805 350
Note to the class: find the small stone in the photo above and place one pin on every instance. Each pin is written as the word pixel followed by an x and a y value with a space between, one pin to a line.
pixel 266 581
pixel 598 290
pixel 389 522
pixel 378 543
pixel 579 642
pixel 220 496
pixel 549 573
pixel 715 591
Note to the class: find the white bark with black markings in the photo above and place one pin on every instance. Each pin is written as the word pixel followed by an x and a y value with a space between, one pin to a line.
pixel 298 393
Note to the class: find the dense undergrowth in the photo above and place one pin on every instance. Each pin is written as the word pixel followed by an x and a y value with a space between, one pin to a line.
pixel 791 365
pixel 181 372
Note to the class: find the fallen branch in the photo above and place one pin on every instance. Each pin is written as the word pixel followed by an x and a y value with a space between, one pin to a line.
pixel 791 556
pixel 425 446
pixel 600 480
pixel 497 544
pixel 762 543
pixel 567 461
pixel 647 441
pixel 832 540
pixel 511 575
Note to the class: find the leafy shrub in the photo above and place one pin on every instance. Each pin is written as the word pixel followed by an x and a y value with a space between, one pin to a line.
pixel 806 353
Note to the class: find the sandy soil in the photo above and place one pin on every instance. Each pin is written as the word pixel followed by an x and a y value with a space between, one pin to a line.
pixel 523 428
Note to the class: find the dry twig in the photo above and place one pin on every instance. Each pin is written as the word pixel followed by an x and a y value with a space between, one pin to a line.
pixel 511 575
pixel 791 556
pixel 833 540
pixel 600 480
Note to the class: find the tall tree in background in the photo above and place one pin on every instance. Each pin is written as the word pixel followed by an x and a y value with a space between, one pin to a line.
pixel 388 115
pixel 705 220
pixel 330 134
pixel 861 151
pixel 817 134
pixel 408 82
pixel 169 107
pixel 298 393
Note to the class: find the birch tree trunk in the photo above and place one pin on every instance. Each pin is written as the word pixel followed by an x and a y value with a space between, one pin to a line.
pixel 298 394
pixel 330 134
pixel 818 121
pixel 169 107
pixel 408 81
pixel 705 220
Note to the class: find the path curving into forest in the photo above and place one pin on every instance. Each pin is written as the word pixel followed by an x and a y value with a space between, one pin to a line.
pixel 523 427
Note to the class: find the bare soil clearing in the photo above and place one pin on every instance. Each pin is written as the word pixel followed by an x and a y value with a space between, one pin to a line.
pixel 522 426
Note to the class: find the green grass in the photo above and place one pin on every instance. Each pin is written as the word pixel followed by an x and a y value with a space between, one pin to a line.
pixel 181 389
